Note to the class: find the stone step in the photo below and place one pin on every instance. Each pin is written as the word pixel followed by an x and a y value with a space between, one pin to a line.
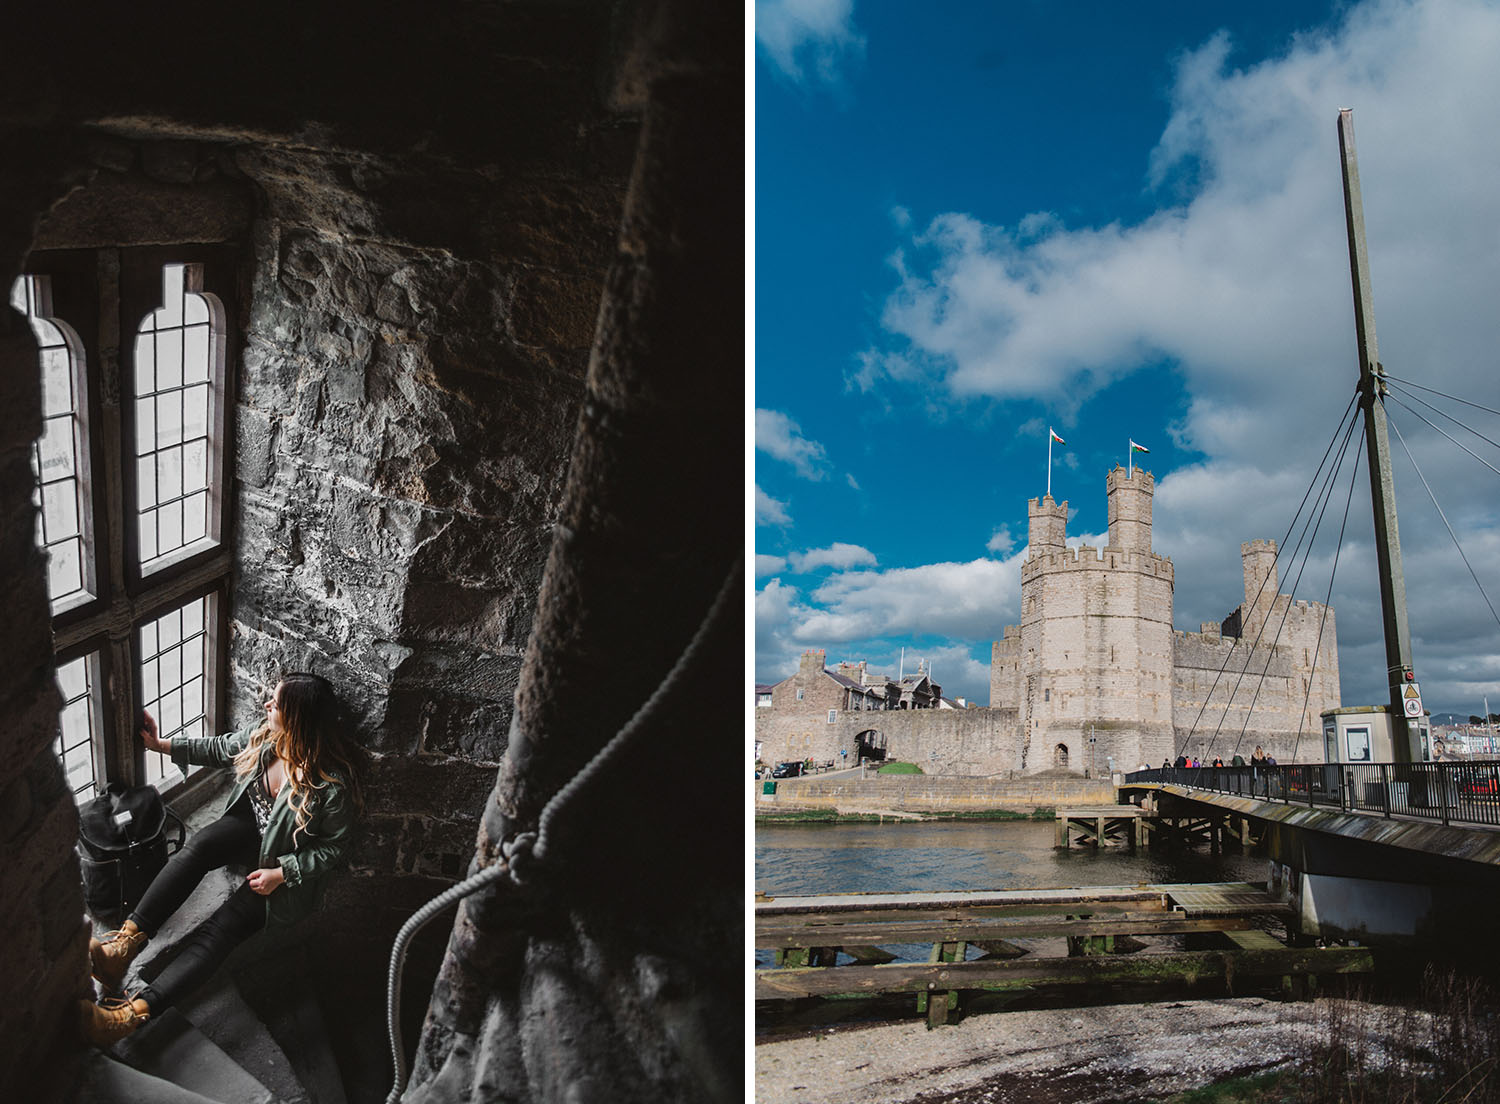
pixel 210 893
pixel 289 1008
pixel 220 1012
pixel 107 1080
pixel 169 1047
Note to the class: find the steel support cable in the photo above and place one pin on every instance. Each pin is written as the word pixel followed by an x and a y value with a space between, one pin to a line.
pixel 1325 497
pixel 1235 641
pixel 1450 417
pixel 1319 503
pixel 1441 394
pixel 1328 598
pixel 1444 516
pixel 530 847
pixel 1418 415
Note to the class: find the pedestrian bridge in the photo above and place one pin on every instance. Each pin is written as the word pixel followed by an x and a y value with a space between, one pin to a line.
pixel 1374 852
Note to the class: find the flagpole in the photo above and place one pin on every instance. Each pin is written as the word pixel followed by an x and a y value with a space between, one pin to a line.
pixel 1130 459
pixel 1049 463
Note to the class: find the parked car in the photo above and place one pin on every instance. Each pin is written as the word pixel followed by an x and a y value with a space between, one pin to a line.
pixel 1479 787
pixel 788 770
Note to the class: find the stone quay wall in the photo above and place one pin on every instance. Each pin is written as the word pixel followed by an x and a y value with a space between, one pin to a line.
pixel 916 793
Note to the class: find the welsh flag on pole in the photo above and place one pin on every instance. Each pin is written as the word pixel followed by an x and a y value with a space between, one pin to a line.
pixel 1138 448
pixel 1058 439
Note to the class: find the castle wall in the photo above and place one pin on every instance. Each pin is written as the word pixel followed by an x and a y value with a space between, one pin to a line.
pixel 1005 659
pixel 974 742
pixel 1273 695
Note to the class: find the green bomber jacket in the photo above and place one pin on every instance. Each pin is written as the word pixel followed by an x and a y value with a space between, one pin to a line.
pixel 317 850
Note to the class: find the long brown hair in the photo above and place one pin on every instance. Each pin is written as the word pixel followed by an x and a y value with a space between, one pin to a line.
pixel 312 742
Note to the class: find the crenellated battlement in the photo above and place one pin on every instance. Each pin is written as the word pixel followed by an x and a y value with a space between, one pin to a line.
pixel 1088 558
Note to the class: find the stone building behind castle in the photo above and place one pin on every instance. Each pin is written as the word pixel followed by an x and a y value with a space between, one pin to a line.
pixel 1095 675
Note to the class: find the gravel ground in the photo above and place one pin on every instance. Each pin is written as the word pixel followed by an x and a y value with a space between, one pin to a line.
pixel 1131 1052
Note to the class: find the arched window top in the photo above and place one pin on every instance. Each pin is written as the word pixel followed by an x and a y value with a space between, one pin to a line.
pixel 179 361
pixel 60 457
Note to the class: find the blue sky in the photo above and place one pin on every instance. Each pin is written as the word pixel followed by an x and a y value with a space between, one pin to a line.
pixel 973 221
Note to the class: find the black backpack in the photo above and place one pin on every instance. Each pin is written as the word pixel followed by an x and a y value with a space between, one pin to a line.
pixel 122 845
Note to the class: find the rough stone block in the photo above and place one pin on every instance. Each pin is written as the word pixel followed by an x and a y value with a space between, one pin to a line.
pixel 61 906
pixel 31 711
pixel 555 310
pixel 20 386
pixel 254 443
pixel 397 787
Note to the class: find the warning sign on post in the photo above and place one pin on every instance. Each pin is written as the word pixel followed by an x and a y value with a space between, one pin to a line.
pixel 1411 700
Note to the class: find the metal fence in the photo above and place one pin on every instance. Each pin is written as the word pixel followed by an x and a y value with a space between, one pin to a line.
pixel 1463 793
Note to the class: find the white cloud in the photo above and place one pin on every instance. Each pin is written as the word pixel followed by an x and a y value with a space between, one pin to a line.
pixel 970 601
pixel 808 39
pixel 769 511
pixel 1241 281
pixel 778 436
pixel 1001 542
pixel 853 483
pixel 838 555
pixel 768 565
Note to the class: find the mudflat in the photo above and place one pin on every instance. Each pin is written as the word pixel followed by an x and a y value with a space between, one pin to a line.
pixel 1129 1052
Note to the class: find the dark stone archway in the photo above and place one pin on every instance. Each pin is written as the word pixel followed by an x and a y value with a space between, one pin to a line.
pixel 870 744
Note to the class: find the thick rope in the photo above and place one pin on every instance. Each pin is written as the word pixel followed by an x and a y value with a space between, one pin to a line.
pixel 530 848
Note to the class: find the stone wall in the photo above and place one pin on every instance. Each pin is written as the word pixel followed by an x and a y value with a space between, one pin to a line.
pixel 1230 695
pixel 925 794
pixel 942 741
pixel 407 400
pixel 45 953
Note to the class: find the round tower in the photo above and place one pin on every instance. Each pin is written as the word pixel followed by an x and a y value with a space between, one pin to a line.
pixel 1130 509
pixel 1047 531
pixel 1259 560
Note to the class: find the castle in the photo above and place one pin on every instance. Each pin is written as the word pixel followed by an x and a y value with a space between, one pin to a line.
pixel 1095 675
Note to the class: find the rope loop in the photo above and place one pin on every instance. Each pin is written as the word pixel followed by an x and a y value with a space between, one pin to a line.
pixel 519 857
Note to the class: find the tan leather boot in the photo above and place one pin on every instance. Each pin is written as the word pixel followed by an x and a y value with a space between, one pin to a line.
pixel 110 958
pixel 105 1024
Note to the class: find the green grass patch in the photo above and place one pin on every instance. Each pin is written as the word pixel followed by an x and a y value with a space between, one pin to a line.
pixel 900 768
pixel 819 816
pixel 1262 1088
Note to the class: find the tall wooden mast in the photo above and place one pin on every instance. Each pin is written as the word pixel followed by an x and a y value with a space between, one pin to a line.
pixel 1372 387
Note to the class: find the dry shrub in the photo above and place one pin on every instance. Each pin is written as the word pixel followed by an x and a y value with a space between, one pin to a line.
pixel 1441 1048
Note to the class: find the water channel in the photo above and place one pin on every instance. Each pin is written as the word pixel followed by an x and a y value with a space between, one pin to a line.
pixel 796 860
pixel 793 860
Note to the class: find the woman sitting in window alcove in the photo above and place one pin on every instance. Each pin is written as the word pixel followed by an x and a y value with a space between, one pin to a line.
pixel 289 816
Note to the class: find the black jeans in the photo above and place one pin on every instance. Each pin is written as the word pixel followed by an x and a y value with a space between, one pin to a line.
pixel 233 838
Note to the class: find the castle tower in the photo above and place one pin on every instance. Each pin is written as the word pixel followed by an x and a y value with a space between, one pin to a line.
pixel 1089 669
pixel 1258 558
pixel 1130 509
pixel 1047 529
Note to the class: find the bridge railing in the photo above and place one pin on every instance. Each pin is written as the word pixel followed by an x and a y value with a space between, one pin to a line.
pixel 1467 793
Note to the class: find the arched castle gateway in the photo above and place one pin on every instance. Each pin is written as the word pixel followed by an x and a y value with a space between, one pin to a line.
pixel 1096 656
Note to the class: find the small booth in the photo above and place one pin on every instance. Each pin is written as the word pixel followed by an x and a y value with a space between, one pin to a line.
pixel 1362 734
